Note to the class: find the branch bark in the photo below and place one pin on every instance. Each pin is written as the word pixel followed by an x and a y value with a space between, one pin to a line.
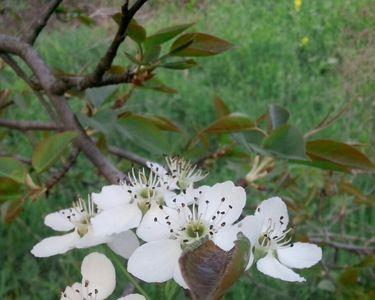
pixel 41 21
pixel 343 246
pixel 28 125
pixel 105 62
pixel 46 79
pixel 128 155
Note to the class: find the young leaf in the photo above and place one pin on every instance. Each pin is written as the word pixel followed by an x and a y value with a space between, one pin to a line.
pixel 151 54
pixel 233 122
pixel 198 44
pixel 277 115
pixel 13 169
pixel 9 189
pixel 136 32
pixel 158 121
pixel 50 149
pixel 143 134
pixel 166 34
pixel 180 65
pixel 157 85
pixel 221 108
pixel 339 153
pixel 287 142
pixel 99 95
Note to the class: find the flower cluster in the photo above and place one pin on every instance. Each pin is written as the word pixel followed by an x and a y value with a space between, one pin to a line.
pixel 170 214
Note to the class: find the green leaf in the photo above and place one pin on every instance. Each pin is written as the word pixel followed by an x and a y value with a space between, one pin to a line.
pixel 166 34
pixel 117 18
pixel 158 121
pixel 97 96
pixel 210 272
pixel 233 122
pixel 136 32
pixel 198 44
pixel 143 134
pixel 9 189
pixel 50 149
pixel 133 59
pixel 221 108
pixel 287 142
pixel 157 85
pixel 151 54
pixel 339 153
pixel 277 115
pixel 180 64
pixel 13 169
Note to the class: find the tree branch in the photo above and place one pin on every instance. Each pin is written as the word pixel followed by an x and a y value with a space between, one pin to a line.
pixel 28 125
pixel 342 246
pixel 45 77
pixel 34 86
pixel 41 21
pixel 80 83
pixel 66 167
pixel 128 155
pixel 105 62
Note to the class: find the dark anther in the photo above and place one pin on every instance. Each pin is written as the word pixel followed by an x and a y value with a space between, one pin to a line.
pixel 223 224
pixel 155 219
pixel 223 199
pixel 230 206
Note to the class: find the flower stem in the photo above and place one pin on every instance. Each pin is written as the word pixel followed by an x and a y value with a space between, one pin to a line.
pixel 133 281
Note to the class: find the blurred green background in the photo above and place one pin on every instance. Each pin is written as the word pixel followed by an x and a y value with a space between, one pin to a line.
pixel 310 59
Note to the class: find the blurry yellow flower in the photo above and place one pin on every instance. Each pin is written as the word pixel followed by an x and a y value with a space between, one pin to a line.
pixel 297 5
pixel 304 41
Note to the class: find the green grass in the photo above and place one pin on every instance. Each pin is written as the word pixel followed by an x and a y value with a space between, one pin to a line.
pixel 268 65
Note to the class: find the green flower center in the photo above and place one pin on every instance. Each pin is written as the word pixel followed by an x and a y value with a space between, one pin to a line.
pixel 196 230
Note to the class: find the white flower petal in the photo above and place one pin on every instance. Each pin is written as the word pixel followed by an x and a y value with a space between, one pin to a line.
pixel 91 239
pixel 157 169
pixel 273 213
pixel 177 276
pixel 72 292
pixel 226 237
pixel 153 225
pixel 111 196
pixel 155 261
pixel 301 255
pixel 55 245
pixel 99 275
pixel 223 201
pixel 132 297
pixel 117 219
pixel 251 227
pixel 270 266
pixel 58 222
pixel 124 243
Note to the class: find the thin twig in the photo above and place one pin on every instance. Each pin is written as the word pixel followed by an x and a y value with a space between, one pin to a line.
pixel 128 155
pixel 28 125
pixel 326 122
pixel 342 246
pixel 105 62
pixel 66 167
pixel 41 21
pixel 68 119
pixel 34 86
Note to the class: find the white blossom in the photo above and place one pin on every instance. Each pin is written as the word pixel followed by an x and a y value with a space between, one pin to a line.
pixel 269 236
pixel 77 220
pixel 178 173
pixel 98 279
pixel 168 231
pixel 122 206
